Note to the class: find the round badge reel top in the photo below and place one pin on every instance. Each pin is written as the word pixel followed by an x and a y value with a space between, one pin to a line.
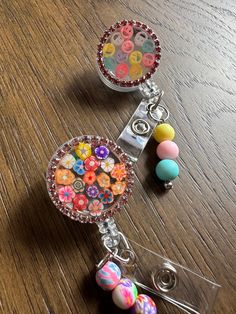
pixel 128 55
pixel 89 178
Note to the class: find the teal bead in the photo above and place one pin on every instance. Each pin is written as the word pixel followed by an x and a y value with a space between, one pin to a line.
pixel 110 63
pixel 167 170
pixel 148 46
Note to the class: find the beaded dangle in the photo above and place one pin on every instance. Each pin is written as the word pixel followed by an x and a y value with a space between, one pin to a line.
pixel 167 151
pixel 90 178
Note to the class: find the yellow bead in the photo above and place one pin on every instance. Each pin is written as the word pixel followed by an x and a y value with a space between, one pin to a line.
pixel 135 71
pixel 164 132
pixel 135 57
pixel 108 50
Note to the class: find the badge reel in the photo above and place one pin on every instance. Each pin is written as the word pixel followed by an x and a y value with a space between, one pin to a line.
pixel 90 178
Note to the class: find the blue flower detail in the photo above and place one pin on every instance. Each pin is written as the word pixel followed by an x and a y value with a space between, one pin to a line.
pixel 79 167
pixel 106 196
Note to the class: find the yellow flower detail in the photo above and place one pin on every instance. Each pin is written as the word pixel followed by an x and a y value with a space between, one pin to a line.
pixel 83 150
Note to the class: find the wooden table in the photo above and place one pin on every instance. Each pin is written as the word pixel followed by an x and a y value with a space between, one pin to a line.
pixel 50 92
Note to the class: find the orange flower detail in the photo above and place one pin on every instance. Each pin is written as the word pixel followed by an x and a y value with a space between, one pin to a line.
pixel 89 177
pixel 104 180
pixel 118 172
pixel 64 176
pixel 118 187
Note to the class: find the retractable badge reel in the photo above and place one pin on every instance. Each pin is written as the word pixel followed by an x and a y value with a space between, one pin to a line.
pixel 90 178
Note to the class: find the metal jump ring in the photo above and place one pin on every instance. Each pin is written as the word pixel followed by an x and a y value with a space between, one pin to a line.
pixel 151 110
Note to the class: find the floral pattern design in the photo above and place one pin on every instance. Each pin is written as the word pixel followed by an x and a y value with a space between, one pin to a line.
pixel 95 208
pixel 101 152
pixel 106 196
pixel 118 187
pixel 103 180
pixel 66 194
pixel 80 202
pixel 78 185
pixel 79 167
pixel 64 176
pixel 119 172
pixel 91 163
pixel 92 191
pixel 107 164
pixel 68 161
pixel 83 150
pixel 89 177
pixel 144 304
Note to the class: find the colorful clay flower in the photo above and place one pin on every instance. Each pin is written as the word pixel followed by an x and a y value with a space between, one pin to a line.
pixel 80 202
pixel 118 172
pixel 101 152
pixel 79 167
pixel 64 176
pixel 95 208
pixel 68 161
pixel 103 180
pixel 92 191
pixel 78 185
pixel 83 150
pixel 108 164
pixel 106 196
pixel 118 187
pixel 89 177
pixel 91 163
pixel 66 194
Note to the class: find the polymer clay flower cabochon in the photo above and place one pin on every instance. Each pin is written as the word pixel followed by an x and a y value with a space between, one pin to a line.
pixel 89 178
pixel 128 53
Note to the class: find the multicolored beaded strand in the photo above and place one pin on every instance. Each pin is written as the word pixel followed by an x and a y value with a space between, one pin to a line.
pixel 167 150
pixel 124 291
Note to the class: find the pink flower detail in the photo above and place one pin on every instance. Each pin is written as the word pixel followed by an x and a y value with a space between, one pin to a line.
pixel 95 208
pixel 66 194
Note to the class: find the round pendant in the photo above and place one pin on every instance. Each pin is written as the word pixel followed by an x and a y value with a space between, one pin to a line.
pixel 89 178
pixel 128 55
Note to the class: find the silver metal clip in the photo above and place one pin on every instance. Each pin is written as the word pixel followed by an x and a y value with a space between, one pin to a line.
pixel 138 130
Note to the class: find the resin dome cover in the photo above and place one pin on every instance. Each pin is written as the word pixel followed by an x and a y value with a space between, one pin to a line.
pixel 89 178
pixel 128 53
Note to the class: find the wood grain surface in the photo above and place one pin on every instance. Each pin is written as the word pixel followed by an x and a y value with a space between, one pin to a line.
pixel 50 92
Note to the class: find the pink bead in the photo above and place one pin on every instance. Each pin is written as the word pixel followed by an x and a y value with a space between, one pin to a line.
pixel 148 59
pixel 167 150
pixel 127 31
pixel 122 70
pixel 127 46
